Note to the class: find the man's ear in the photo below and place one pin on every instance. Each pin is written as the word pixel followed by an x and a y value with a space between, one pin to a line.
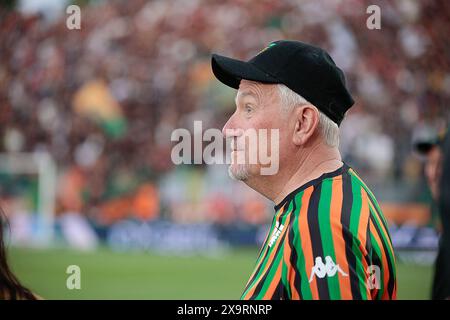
pixel 306 122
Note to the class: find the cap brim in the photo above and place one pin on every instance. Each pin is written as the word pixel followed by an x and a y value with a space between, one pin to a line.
pixel 231 71
pixel 424 147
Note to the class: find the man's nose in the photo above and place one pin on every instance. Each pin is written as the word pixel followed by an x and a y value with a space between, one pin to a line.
pixel 229 129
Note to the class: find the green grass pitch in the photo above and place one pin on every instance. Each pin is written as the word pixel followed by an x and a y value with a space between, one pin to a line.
pixel 140 275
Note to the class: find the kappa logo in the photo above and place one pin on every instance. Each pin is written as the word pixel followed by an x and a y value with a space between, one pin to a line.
pixel 276 233
pixel 329 268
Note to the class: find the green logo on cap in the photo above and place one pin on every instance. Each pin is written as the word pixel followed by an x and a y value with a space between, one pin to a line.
pixel 269 46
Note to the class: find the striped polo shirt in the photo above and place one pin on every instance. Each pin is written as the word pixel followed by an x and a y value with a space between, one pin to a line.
pixel 328 240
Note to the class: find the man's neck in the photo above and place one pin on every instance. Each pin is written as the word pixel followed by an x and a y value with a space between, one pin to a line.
pixel 307 173
pixel 310 164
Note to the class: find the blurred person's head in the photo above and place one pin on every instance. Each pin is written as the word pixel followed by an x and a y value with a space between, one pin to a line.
pixel 295 90
pixel 10 287
pixel 428 144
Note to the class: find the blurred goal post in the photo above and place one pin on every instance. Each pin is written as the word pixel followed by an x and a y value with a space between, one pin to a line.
pixel 42 165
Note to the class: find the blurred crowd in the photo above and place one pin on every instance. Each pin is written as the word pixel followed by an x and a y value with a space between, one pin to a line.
pixel 104 100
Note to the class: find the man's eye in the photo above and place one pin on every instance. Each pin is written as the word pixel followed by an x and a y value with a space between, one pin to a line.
pixel 248 108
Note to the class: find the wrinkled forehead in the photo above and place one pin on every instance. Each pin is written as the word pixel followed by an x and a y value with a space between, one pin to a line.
pixel 255 90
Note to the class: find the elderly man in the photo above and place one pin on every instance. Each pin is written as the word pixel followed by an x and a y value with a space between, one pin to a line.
pixel 328 239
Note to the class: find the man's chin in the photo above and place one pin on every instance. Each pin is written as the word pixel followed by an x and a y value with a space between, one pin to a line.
pixel 239 172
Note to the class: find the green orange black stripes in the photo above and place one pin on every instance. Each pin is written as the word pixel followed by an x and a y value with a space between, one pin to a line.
pixel 324 238
pixel 270 253
pixel 264 249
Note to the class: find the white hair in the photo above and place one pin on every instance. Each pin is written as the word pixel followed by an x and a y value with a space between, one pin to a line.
pixel 328 129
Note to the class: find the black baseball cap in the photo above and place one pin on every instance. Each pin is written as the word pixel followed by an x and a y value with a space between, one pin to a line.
pixel 305 69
